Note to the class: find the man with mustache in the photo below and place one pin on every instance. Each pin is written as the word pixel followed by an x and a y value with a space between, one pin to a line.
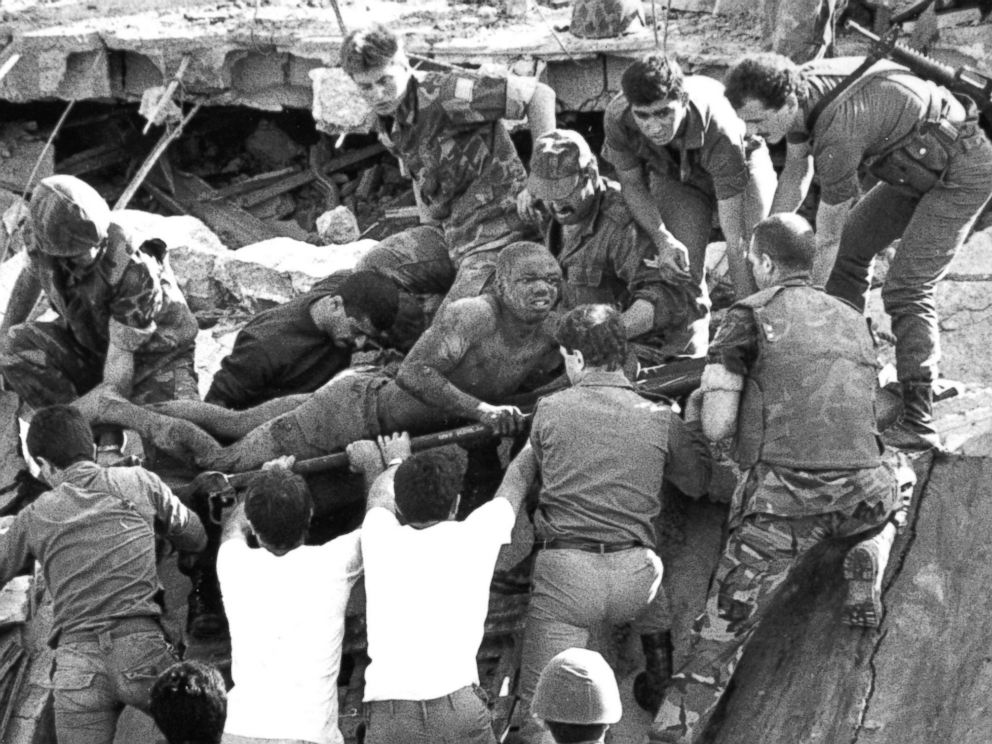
pixel 681 154
pixel 605 256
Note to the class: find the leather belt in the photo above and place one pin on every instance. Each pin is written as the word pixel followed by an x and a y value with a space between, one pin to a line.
pixel 588 547
pixel 122 627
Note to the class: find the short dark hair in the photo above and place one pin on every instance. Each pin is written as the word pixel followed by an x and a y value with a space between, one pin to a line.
pixel 598 332
pixel 189 703
pixel 426 484
pixel 509 256
pixel 366 293
pixel 787 239
pixel 767 78
pixel 654 77
pixel 61 435
pixel 279 506
pixel 574 733
pixel 369 48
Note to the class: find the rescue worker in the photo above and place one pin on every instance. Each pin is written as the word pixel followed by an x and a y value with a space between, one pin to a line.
pixel 427 579
pixel 605 256
pixel 94 535
pixel 594 525
pixel 577 697
pixel 792 376
pixel 123 324
pixel 299 345
pixel 682 155
pixel 934 166
pixel 447 129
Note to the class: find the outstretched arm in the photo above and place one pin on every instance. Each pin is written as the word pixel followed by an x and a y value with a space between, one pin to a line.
pixel 519 477
pixel 425 372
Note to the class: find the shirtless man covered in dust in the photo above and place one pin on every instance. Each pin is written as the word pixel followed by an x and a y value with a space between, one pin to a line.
pixel 479 352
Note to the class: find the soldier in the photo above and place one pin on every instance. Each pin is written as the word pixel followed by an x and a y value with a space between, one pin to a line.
pixel 807 440
pixel 448 132
pixel 605 255
pixel 934 165
pixel 594 524
pixel 681 153
pixel 123 322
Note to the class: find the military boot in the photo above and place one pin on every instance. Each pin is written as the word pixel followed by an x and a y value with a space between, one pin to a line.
pixel 864 566
pixel 205 619
pixel 651 684
pixel 914 431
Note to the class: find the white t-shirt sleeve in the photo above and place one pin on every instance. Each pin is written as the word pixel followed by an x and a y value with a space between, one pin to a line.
pixel 346 551
pixel 493 522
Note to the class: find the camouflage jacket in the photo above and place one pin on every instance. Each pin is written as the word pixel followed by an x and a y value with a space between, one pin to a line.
pixel 449 135
pixel 128 296
pixel 603 260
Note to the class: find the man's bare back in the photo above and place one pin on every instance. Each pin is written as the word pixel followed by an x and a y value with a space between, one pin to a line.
pixel 479 352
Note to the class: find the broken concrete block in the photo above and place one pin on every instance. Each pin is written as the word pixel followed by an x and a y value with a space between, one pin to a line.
pixel 272 147
pixel 150 99
pixel 304 262
pixel 21 148
pixel 337 104
pixel 338 226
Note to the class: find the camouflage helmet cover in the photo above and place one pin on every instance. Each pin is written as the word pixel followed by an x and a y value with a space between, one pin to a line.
pixel 560 161
pixel 602 19
pixel 68 216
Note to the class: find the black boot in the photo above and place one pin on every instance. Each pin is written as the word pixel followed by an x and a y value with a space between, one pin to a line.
pixel 205 619
pixel 650 685
pixel 914 431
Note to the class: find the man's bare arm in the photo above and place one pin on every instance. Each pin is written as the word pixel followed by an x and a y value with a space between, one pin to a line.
pixel 672 253
pixel 830 220
pixel 442 347
pixel 797 174
pixel 731 214
pixel 519 477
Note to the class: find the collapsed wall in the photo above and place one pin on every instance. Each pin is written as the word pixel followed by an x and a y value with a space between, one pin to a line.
pixel 923 676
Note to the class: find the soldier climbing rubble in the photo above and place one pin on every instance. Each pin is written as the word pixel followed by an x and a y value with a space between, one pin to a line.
pixel 448 131
pixel 792 371
pixel 934 169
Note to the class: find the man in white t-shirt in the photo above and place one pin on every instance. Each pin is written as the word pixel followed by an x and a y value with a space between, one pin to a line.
pixel 427 581
pixel 285 604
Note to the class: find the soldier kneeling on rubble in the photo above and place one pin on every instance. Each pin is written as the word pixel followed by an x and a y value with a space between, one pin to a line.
pixel 123 322
pixel 793 372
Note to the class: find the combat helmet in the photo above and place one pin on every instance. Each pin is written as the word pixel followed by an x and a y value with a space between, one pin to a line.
pixel 68 216
pixel 603 19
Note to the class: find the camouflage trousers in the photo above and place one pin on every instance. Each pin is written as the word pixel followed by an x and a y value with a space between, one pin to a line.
pixel 759 555
pixel 45 365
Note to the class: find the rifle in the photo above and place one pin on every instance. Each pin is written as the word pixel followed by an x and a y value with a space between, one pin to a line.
pixel 963 80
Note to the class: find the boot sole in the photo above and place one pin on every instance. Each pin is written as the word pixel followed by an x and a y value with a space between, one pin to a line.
pixel 863 606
